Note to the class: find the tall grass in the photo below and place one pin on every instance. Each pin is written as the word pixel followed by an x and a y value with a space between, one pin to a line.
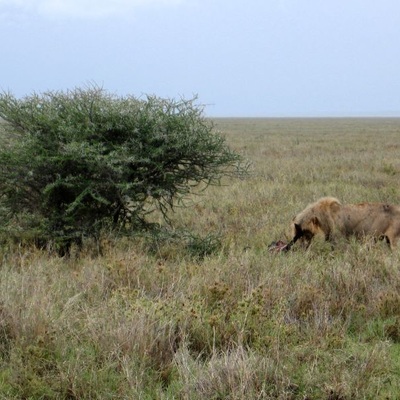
pixel 154 320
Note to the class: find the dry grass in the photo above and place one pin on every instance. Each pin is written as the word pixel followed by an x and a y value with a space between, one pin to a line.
pixel 241 323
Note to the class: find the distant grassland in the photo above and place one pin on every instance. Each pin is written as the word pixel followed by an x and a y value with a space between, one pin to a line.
pixel 296 161
pixel 151 320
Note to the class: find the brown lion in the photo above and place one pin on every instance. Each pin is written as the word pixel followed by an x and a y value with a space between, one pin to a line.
pixel 329 217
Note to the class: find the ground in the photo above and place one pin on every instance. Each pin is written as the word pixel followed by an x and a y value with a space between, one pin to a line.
pixel 152 319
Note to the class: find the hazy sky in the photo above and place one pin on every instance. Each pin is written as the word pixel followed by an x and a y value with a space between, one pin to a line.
pixel 241 57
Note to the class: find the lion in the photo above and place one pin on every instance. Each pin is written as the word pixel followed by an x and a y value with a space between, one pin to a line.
pixel 329 217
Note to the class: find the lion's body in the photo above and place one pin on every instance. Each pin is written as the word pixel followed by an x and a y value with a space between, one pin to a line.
pixel 330 218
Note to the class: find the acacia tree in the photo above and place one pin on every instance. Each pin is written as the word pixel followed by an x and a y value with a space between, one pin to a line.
pixel 75 162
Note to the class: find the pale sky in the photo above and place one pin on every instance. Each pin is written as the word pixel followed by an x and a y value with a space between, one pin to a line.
pixel 251 58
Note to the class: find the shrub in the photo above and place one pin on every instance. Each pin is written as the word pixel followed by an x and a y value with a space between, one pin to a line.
pixel 80 161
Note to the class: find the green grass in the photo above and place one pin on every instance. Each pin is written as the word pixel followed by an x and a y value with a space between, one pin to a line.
pixel 164 319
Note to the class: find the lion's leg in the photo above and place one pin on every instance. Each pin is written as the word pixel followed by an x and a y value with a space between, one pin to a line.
pixel 391 238
pixel 391 242
pixel 331 239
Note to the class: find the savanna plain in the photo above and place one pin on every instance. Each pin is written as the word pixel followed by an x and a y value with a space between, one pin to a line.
pixel 221 317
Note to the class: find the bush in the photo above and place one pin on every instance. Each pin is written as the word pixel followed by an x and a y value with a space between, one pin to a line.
pixel 80 161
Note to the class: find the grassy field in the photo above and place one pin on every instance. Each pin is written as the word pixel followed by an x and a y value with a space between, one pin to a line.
pixel 155 320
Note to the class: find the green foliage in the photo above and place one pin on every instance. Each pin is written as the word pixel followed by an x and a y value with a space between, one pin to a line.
pixel 169 244
pixel 85 160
